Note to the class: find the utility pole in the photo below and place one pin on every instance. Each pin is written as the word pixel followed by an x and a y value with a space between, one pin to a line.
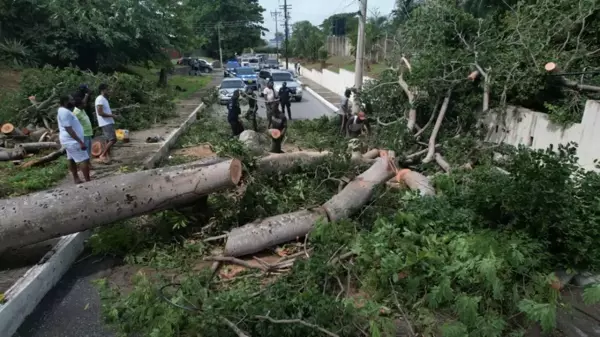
pixel 275 16
pixel 220 49
pixel 360 46
pixel 286 15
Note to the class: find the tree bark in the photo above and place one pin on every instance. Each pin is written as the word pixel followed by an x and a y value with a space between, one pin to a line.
pixel 418 182
pixel 286 162
pixel 15 154
pixel 263 233
pixel 44 215
pixel 37 147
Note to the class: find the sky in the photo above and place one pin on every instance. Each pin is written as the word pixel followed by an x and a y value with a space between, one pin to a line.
pixel 316 11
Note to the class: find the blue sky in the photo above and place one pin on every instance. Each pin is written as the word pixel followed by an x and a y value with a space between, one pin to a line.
pixel 316 11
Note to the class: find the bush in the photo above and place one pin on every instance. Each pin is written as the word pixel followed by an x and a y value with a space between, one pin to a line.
pixel 154 103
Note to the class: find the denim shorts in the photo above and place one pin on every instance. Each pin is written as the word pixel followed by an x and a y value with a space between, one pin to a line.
pixel 87 140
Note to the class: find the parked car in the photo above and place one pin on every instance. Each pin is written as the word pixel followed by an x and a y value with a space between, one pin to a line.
pixel 228 87
pixel 200 67
pixel 278 77
pixel 248 75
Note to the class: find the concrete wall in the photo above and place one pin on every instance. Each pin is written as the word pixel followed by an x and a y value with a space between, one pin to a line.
pixel 339 46
pixel 520 126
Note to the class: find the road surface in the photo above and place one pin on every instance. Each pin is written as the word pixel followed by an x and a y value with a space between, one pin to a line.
pixel 73 309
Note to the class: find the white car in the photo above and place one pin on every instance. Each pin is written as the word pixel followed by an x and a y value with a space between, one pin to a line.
pixel 228 87
pixel 280 76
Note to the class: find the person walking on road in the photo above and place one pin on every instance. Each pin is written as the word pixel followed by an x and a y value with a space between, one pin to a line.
pixel 270 103
pixel 233 114
pixel 106 121
pixel 72 140
pixel 298 68
pixel 285 99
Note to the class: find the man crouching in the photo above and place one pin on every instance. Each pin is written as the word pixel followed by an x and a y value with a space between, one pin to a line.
pixel 71 138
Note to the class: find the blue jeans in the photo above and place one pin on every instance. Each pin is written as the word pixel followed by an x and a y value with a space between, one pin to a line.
pixel 87 140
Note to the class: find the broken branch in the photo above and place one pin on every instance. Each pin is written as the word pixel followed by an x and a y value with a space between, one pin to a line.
pixel 298 321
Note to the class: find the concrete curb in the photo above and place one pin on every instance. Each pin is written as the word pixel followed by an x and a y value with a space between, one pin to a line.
pixel 153 160
pixel 322 100
pixel 24 296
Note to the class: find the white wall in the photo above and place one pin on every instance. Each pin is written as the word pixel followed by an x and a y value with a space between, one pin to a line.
pixel 523 126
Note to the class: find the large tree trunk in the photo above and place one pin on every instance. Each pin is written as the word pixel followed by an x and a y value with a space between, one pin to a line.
pixel 45 159
pixel 264 233
pixel 285 162
pixel 15 154
pixel 44 215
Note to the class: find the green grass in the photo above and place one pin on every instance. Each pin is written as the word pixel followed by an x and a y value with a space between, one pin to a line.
pixel 15 180
pixel 190 83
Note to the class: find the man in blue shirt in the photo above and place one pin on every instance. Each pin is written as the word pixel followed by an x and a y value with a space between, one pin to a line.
pixel 233 114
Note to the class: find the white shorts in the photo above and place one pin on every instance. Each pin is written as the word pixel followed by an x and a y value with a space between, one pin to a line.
pixel 75 153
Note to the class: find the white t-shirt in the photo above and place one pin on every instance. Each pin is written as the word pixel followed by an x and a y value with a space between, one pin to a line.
pixel 65 119
pixel 269 94
pixel 102 121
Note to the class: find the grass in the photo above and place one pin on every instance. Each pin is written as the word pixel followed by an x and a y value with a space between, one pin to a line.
pixel 15 181
pixel 191 84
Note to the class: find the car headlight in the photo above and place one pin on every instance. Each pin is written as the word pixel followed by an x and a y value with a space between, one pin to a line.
pixel 298 89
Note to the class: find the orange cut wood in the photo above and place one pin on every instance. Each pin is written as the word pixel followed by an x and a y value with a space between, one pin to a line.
pixel 7 128
pixel 97 148
pixel 275 133
pixel 401 174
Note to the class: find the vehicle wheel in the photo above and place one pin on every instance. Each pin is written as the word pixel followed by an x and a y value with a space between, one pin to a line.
pixel 298 99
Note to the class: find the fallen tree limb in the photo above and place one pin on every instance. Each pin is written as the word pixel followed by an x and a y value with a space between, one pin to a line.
pixel 442 162
pixel 298 321
pixel 234 327
pixel 416 182
pixel 420 132
pixel 371 154
pixel 45 215
pixel 436 128
pixel 45 159
pixel 285 162
pixel 552 68
pixel 36 147
pixel 263 233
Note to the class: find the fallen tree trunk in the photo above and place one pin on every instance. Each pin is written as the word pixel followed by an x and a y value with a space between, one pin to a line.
pixel 15 154
pixel 37 147
pixel 45 159
pixel 264 233
pixel 417 182
pixel 44 215
pixel 285 162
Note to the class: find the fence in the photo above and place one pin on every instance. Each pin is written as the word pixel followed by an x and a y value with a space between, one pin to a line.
pixel 520 125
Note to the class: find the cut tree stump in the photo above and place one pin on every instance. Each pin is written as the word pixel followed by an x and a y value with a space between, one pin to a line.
pixel 9 129
pixel 286 162
pixel 264 233
pixel 45 215
pixel 37 147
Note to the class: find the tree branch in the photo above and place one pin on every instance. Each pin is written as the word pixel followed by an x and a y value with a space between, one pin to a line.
pixel 436 128
pixel 298 321
pixel 234 327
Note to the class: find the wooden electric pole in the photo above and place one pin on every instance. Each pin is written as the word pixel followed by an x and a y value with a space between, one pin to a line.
pixel 220 49
pixel 360 45
pixel 286 16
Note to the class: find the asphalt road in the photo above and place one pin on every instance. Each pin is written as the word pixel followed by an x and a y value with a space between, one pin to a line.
pixel 73 309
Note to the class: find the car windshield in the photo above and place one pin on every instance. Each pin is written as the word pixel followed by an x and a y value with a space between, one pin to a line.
pixel 253 60
pixel 245 71
pixel 272 62
pixel 232 85
pixel 280 77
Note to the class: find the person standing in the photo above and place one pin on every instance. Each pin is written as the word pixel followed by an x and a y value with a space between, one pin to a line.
pixel 252 107
pixel 345 110
pixel 278 122
pixel 233 114
pixel 298 68
pixel 72 140
pixel 83 93
pixel 285 99
pixel 84 120
pixel 106 121
pixel 270 103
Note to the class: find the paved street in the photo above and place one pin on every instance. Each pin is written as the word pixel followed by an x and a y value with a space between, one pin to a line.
pixel 73 309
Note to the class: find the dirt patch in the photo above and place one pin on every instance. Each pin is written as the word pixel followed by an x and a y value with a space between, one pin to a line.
pixel 200 151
